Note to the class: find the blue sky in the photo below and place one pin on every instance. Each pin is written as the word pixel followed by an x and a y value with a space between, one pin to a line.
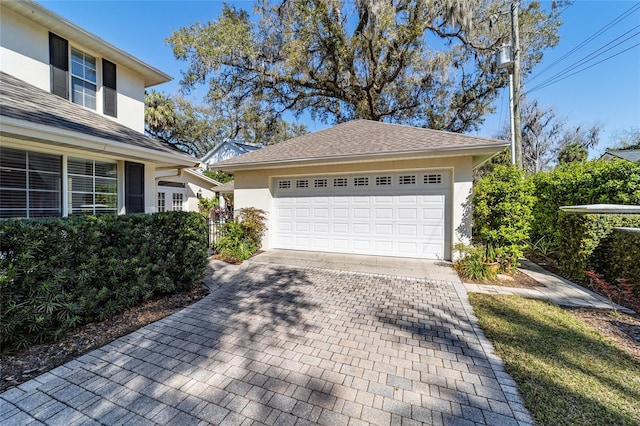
pixel 608 93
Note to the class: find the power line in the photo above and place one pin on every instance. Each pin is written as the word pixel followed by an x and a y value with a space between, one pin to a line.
pixel 616 20
pixel 583 69
pixel 590 57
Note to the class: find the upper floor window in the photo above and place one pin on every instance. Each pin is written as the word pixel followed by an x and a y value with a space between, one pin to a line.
pixel 71 68
pixel 83 78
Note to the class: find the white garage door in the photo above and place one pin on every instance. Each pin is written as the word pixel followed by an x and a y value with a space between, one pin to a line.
pixel 401 214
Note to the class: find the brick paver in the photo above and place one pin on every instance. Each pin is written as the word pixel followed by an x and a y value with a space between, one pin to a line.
pixel 285 345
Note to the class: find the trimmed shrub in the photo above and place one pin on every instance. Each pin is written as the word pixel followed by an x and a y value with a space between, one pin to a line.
pixel 592 182
pixel 59 273
pixel 502 213
pixel 582 234
pixel 618 256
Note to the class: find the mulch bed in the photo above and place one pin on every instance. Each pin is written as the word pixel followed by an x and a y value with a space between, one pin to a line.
pixel 19 367
pixel 514 279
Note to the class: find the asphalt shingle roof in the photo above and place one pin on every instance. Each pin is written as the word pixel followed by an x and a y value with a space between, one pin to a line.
pixel 23 101
pixel 632 155
pixel 362 138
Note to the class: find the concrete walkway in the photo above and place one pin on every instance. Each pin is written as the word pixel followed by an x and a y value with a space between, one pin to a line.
pixel 277 344
pixel 555 289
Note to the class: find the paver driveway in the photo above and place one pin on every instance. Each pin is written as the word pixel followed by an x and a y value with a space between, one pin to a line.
pixel 280 345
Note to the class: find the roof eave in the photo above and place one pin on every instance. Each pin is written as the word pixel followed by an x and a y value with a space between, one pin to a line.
pixel 21 129
pixel 65 28
pixel 477 150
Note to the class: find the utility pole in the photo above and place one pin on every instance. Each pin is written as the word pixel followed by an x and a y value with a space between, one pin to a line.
pixel 515 80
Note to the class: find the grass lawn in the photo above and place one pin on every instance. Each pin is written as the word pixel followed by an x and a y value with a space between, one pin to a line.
pixel 567 372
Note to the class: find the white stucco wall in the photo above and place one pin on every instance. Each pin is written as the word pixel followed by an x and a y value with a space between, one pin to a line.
pixel 24 53
pixel 25 49
pixel 254 189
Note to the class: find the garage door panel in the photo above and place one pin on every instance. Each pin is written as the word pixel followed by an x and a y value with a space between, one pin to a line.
pixel 340 213
pixel 383 213
pixel 383 229
pixel 361 228
pixel 361 213
pixel 302 226
pixel 340 228
pixel 361 245
pixel 321 213
pixel 320 227
pixel 388 218
pixel 408 214
pixel 408 230
pixel 430 231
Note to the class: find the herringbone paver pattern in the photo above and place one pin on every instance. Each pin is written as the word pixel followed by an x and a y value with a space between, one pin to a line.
pixel 278 345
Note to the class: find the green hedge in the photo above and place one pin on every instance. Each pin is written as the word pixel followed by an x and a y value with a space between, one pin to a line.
pixel 582 235
pixel 58 273
pixel 592 182
pixel 502 204
pixel 618 256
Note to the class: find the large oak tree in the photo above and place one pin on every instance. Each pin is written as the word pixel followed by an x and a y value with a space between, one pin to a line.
pixel 421 62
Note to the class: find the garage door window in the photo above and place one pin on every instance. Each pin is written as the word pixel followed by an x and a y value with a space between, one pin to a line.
pixel 320 183
pixel 433 179
pixel 407 180
pixel 340 182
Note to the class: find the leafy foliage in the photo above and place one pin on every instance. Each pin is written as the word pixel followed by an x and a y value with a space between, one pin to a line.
pixel 592 182
pixel 205 205
pixel 582 234
pixel 241 238
pixel 618 257
pixel 502 213
pixel 221 177
pixel 406 61
pixel 58 273
pixel 475 263
pixel 196 129
pixel 572 153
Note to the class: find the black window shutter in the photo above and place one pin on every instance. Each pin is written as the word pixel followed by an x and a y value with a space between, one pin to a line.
pixel 59 64
pixel 134 187
pixel 110 89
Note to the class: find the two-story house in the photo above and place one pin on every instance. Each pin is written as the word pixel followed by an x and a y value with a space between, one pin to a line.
pixel 72 121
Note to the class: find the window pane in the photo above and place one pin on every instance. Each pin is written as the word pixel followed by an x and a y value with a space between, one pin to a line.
pixel 45 162
pixel 80 167
pixel 32 188
pixel 81 184
pixel 13 178
pixel 13 199
pixel 106 169
pixel 42 180
pixel 44 200
pixel 106 201
pixel 106 185
pixel 13 158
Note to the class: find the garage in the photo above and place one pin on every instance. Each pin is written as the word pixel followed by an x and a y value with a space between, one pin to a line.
pixel 384 214
pixel 364 187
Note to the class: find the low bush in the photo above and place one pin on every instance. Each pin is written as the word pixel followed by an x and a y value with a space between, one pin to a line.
pixel 502 214
pixel 59 273
pixel 474 263
pixel 242 238
pixel 582 234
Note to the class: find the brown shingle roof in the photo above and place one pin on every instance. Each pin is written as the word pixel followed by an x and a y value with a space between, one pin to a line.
pixel 23 101
pixel 360 138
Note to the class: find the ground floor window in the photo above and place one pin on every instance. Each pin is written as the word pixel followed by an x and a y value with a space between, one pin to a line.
pixel 93 187
pixel 161 202
pixel 30 184
pixel 178 200
pixel 34 184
